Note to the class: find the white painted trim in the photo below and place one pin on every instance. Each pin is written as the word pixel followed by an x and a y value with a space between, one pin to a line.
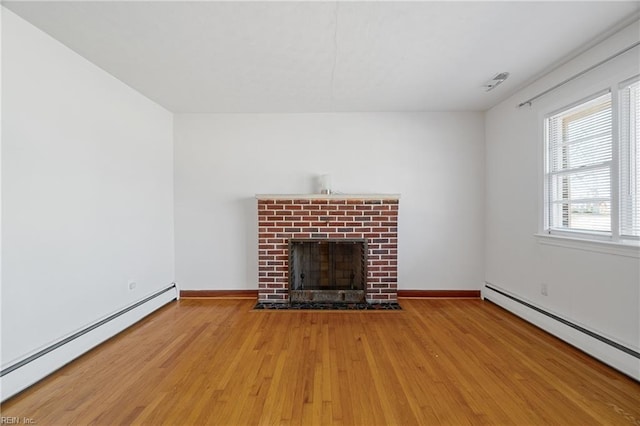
pixel 177 290
pixel 328 196
pixel 630 249
pixel 616 358
pixel 34 371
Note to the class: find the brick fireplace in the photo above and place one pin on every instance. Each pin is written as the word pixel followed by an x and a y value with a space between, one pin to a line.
pixel 371 217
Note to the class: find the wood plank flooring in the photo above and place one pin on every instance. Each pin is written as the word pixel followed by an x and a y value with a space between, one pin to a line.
pixel 214 361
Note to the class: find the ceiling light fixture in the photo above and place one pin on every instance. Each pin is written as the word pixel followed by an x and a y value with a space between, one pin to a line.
pixel 496 81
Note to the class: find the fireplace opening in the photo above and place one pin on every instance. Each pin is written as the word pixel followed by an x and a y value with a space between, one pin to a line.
pixel 327 270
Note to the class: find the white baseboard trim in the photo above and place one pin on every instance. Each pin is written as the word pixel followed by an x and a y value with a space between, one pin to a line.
pixel 612 353
pixel 22 374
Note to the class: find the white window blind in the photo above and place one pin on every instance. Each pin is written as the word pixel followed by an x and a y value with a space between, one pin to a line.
pixel 630 160
pixel 578 167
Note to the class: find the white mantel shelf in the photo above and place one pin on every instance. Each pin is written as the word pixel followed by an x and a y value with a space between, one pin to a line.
pixel 328 196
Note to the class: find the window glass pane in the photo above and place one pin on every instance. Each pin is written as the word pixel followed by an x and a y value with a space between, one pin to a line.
pixel 590 216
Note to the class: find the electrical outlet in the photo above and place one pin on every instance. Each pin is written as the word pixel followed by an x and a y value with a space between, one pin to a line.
pixel 132 285
pixel 544 289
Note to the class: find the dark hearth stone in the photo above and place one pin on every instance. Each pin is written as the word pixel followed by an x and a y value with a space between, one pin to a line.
pixel 329 306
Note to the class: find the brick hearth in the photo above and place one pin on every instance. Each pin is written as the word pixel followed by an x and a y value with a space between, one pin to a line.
pixel 371 217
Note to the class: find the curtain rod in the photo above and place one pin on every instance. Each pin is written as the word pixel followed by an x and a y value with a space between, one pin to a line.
pixel 573 77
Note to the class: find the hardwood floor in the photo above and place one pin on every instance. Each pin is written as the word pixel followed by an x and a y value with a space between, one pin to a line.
pixel 214 361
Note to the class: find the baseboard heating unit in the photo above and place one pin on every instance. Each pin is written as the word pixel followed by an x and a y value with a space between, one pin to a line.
pixel 612 353
pixel 20 375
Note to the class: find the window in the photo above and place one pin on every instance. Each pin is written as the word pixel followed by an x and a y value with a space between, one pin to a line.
pixel 579 167
pixel 630 159
pixel 592 175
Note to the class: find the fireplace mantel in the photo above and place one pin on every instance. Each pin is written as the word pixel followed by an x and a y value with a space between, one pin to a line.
pixel 369 217
pixel 328 196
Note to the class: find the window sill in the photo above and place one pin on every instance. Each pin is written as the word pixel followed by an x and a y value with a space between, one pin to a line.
pixel 626 249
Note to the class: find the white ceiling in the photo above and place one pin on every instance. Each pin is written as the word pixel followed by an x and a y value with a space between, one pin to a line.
pixel 324 56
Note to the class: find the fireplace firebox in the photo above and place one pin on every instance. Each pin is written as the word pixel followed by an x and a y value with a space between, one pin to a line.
pixel 327 270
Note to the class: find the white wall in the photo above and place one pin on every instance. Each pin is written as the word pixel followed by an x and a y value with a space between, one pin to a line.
pixel 87 201
pixel 434 160
pixel 600 291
